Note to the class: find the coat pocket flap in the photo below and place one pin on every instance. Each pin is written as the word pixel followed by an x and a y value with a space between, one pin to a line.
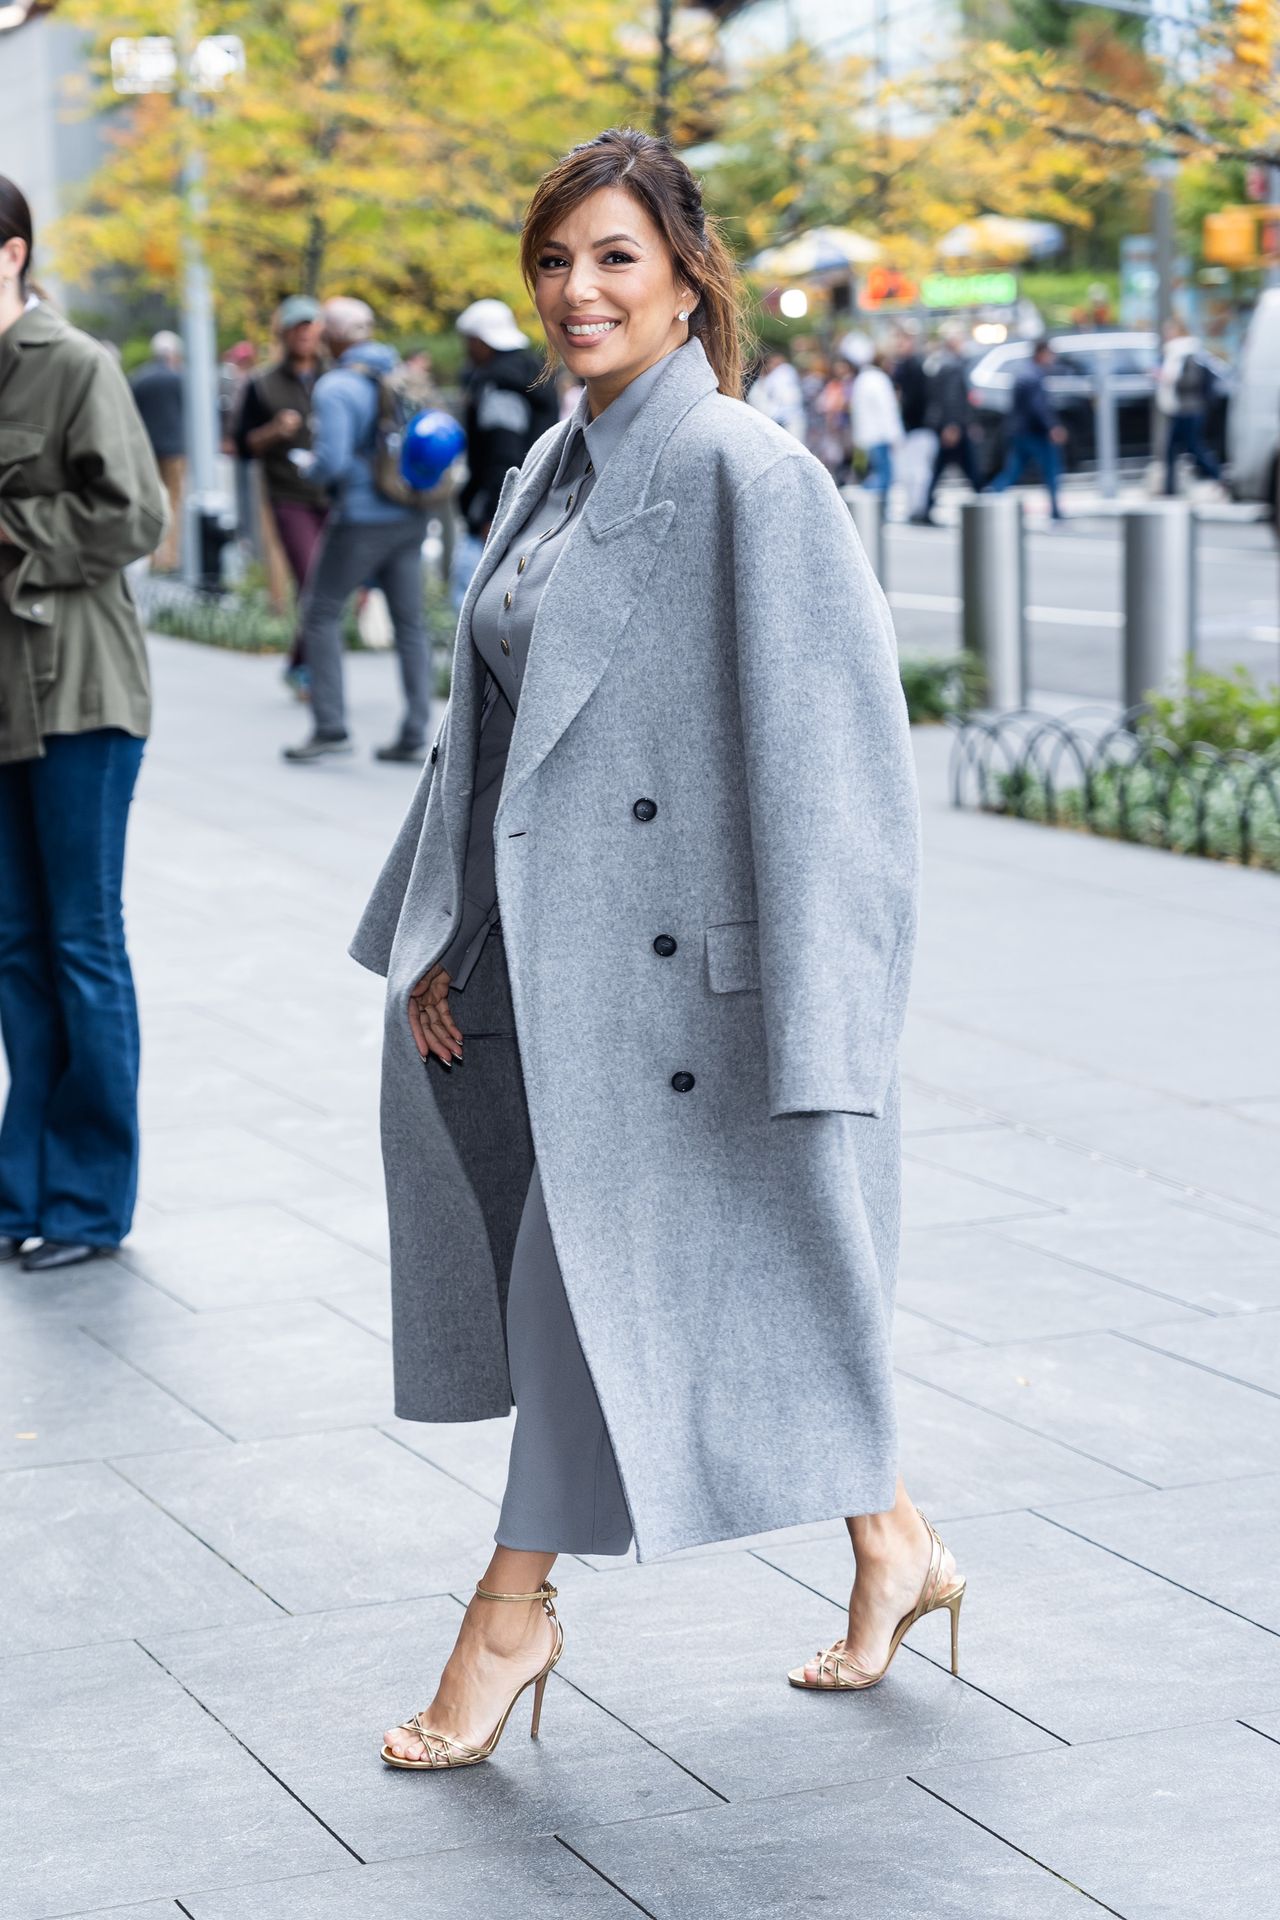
pixel 733 957
pixel 19 443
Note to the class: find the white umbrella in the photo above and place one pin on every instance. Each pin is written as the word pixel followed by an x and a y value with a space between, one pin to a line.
pixel 829 251
pixel 994 236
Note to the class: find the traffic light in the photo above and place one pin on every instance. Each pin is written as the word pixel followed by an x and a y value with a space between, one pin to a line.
pixel 1255 33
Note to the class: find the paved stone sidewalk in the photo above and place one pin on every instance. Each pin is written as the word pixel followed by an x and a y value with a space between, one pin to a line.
pixel 224 1565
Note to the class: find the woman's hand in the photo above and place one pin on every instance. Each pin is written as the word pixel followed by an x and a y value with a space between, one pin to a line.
pixel 434 1031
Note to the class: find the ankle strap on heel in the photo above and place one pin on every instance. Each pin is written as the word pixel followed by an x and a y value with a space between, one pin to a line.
pixel 546 1593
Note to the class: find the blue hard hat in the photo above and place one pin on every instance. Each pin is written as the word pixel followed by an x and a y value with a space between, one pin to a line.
pixel 432 442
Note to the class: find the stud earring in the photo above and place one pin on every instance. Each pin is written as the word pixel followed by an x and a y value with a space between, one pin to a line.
pixel 682 315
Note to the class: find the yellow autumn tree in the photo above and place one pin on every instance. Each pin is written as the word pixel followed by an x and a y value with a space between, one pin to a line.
pixel 380 146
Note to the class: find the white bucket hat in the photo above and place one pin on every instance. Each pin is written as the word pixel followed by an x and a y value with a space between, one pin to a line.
pixel 493 322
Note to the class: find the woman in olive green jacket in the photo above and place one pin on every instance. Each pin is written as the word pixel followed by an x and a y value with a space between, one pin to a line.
pixel 79 499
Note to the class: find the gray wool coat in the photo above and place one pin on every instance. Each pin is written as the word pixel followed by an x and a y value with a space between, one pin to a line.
pixel 717 1127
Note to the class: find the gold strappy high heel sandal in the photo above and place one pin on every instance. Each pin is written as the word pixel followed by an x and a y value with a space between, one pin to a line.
pixel 837 1672
pixel 443 1752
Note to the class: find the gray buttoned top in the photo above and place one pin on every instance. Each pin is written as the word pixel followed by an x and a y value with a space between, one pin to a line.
pixel 501 629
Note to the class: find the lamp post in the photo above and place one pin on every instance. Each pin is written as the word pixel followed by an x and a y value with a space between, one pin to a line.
pixel 193 68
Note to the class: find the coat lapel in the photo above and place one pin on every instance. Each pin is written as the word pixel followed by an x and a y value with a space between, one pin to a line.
pixel 602 570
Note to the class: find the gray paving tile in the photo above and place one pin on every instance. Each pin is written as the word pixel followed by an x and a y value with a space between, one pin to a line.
pixel 1245 1346
pixel 368 1306
pixel 150 1910
pixel 109 1775
pixel 366 1669
pixel 913 1333
pixel 103 1294
pixel 709 1642
pixel 1200 1145
pixel 84 1556
pixel 325 1520
pixel 959 1460
pixel 1217 1539
pixel 359 1220
pixel 1168 1826
pixel 258 1372
pixel 1144 1412
pixel 936 1053
pixel 64 1397
pixel 895 1848
pixel 995 1289
pixel 1048 1174
pixel 519 1877
pixel 924 1112
pixel 1076 1639
pixel 1180 1250
pixel 933 1196
pixel 194 1167
pixel 237 1256
pixel 472 1451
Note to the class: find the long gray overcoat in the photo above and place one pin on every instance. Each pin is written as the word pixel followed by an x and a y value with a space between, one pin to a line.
pixel 711 745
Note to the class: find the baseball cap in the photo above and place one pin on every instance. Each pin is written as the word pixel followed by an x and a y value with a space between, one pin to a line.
pixel 493 322
pixel 296 310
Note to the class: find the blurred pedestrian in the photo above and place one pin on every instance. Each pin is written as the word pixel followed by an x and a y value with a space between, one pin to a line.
pixel 505 411
pixel 919 442
pixel 947 412
pixel 274 424
pixel 82 499
pixel 776 392
pixel 233 377
pixel 369 540
pixel 1184 387
pixel 1035 434
pixel 833 438
pixel 877 424
pixel 157 389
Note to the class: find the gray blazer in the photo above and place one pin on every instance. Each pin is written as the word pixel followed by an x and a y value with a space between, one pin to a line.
pixel 706 859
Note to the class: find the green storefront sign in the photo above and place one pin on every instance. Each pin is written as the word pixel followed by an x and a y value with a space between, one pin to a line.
pixel 969 289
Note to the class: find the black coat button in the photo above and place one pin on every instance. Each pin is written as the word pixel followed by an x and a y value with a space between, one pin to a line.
pixel 664 945
pixel 682 1082
pixel 645 809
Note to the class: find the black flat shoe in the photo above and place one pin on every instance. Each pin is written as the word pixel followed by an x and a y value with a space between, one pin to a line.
pixel 320 746
pixel 10 1248
pixel 60 1253
pixel 412 753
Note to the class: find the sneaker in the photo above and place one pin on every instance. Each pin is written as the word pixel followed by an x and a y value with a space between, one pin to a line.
pixel 411 752
pixel 321 746
pixel 298 681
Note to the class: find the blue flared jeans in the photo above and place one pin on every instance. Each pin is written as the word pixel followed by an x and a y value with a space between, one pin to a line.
pixel 68 1015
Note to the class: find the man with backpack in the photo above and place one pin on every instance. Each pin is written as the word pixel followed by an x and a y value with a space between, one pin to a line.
pixel 373 536
pixel 1184 388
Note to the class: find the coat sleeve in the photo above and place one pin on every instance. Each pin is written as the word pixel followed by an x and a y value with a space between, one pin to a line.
pixel 113 513
pixel 831 787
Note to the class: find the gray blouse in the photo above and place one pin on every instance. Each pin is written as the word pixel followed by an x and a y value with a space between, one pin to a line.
pixel 501 628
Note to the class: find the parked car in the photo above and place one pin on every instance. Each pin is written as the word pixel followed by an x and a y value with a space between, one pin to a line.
pixel 1253 431
pixel 1073 382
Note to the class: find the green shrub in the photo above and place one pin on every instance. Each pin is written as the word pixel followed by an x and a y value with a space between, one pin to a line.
pixel 1220 710
pixel 941 689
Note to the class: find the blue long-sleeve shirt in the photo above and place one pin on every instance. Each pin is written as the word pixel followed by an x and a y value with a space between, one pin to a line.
pixel 344 411
pixel 1033 410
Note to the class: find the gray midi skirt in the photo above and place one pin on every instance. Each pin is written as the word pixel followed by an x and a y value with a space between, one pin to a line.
pixel 563 1493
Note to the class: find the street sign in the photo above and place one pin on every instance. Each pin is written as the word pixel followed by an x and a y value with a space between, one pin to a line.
pixel 969 289
pixel 150 64
pixel 1243 237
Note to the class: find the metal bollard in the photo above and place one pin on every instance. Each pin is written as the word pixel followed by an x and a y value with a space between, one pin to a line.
pixel 867 509
pixel 992 570
pixel 1159 597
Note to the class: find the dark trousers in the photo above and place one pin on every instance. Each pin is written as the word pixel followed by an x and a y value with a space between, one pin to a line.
pixel 386 555
pixel 960 454
pixel 1026 449
pixel 1186 435
pixel 68 1016
pixel 300 528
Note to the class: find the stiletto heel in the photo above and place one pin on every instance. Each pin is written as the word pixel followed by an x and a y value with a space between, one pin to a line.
pixel 837 1672
pixel 439 1749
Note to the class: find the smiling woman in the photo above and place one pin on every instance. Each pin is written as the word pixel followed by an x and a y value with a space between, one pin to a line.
pixel 664 877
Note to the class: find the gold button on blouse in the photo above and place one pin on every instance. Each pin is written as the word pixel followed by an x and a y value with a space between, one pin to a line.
pixel 505 644
pixel 570 503
pixel 506 598
pixel 524 561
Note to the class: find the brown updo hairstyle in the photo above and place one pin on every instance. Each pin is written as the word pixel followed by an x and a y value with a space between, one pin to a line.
pixel 15 223
pixel 649 168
